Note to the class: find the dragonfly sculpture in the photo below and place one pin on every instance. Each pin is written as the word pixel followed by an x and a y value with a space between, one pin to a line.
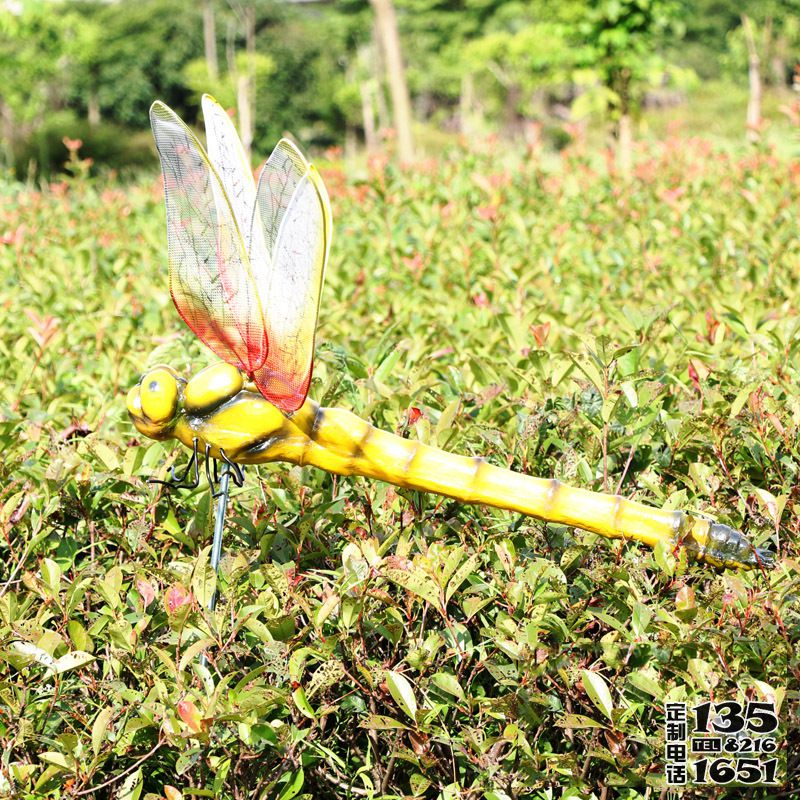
pixel 246 265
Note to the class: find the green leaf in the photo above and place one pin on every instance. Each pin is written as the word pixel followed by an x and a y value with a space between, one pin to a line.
pixel 403 694
pixel 193 651
pixel 629 390
pixel 647 680
pixel 448 683
pixel 445 423
pixel 640 619
pixel 72 660
pixel 107 456
pixel 598 691
pixel 302 704
pixel 56 759
pixel 379 722
pixel 460 575
pixel 51 576
pixel 416 582
pixel 774 506
pixel 419 784
pixel 665 558
pixel 131 787
pixel 578 721
pixel 590 370
pixel 293 786
pixel 100 727
pixel 204 579
pixel 741 398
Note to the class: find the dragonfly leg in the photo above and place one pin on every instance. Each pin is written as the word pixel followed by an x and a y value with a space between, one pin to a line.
pixel 219 482
pixel 237 470
pixel 183 481
pixel 211 470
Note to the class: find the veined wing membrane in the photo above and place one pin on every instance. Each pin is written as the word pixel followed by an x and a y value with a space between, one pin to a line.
pixel 291 296
pixel 277 183
pixel 233 167
pixel 211 280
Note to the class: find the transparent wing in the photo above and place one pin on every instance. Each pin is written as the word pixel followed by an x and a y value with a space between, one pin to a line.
pixel 226 153
pixel 293 210
pixel 211 280
pixel 277 183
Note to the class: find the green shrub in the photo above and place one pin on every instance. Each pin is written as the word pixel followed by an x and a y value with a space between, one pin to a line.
pixel 110 146
pixel 376 643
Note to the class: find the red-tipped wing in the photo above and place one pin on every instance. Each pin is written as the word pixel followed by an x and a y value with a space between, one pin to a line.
pixel 293 212
pixel 211 280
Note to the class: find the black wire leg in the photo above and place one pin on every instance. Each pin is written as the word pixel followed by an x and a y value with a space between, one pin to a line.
pixel 182 482
pixel 237 470
pixel 212 475
pixel 234 470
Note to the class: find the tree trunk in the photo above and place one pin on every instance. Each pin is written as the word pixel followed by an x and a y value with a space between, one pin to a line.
pixel 210 39
pixel 244 81
pixel 368 116
pixel 7 133
pixel 389 37
pixel 779 71
pixel 93 107
pixel 625 125
pixel 466 101
pixel 377 69
pixel 512 121
pixel 754 76
pixel 350 142
pixel 625 144
pixel 245 120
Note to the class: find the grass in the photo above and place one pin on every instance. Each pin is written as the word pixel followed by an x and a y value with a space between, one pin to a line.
pixel 557 321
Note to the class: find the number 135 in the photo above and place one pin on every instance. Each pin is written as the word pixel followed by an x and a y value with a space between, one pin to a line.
pixel 732 717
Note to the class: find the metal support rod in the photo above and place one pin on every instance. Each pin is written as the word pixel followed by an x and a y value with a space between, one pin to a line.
pixel 219 527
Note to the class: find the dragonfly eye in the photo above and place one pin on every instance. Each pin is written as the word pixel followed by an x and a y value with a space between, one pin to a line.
pixel 158 395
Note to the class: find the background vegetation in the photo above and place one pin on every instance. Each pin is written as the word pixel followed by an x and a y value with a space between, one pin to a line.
pixel 567 280
pixel 407 76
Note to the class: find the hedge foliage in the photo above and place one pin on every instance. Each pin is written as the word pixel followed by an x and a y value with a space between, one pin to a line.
pixel 376 643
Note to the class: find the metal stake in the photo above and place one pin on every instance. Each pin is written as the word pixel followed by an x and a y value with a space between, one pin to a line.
pixel 219 484
pixel 219 526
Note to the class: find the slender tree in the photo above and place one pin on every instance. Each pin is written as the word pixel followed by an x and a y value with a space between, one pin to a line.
pixel 389 38
pixel 210 39
pixel 753 80
pixel 620 44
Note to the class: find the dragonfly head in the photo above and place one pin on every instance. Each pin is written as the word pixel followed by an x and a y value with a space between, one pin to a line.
pixel 217 406
pixel 154 403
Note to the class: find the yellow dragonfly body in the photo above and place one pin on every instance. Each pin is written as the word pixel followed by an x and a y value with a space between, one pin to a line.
pixel 252 408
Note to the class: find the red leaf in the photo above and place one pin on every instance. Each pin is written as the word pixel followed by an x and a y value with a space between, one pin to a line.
pixel 147 592
pixel 188 712
pixel 540 333
pixel 695 378
pixel 685 599
pixel 176 597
